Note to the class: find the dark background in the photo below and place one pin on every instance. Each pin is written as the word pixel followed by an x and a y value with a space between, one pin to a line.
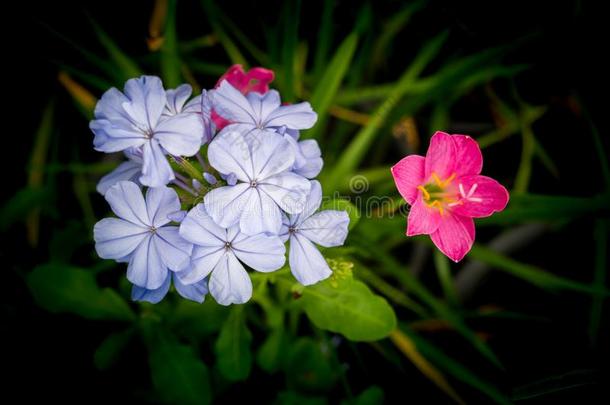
pixel 49 357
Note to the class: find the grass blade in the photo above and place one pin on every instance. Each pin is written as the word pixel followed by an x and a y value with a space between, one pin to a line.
pixel 170 59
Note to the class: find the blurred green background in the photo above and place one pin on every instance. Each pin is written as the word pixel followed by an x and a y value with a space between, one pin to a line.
pixel 523 319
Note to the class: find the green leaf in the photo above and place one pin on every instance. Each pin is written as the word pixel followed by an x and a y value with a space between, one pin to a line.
pixel 354 153
pixel 602 228
pixel 326 88
pixel 308 366
pixel 198 321
pixel 373 395
pixel 352 310
pixel 232 348
pixel 111 348
pixel 455 368
pixel 22 203
pixel 229 46
pixel 295 398
pixel 170 60
pixel 59 288
pixel 178 375
pixel 270 356
pixel 343 205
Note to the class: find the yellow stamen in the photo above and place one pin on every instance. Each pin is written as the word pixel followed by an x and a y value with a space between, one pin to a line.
pixel 424 192
pixel 438 205
pixel 440 183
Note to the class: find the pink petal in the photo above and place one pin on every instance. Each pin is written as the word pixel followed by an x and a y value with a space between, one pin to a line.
pixel 441 156
pixel 454 236
pixel 422 220
pixel 408 174
pixel 256 79
pixel 488 197
pixel 468 159
pixel 219 121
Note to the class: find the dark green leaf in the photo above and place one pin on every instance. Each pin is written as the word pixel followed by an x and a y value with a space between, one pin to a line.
pixel 111 348
pixel 232 348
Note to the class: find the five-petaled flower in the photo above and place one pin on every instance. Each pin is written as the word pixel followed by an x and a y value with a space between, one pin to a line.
pixel 445 190
pixel 326 228
pixel 218 251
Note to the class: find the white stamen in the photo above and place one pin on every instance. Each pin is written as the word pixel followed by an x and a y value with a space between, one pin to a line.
pixel 472 189
pixel 462 193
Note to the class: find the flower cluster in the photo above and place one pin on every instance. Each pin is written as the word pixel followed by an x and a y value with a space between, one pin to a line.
pixel 211 184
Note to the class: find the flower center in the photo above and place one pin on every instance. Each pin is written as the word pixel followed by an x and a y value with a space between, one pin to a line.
pixel 228 246
pixel 442 194
pixel 152 229
pixel 292 230
pixel 253 183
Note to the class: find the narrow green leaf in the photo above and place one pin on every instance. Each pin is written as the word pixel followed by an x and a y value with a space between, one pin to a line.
pixel 443 270
pixel 59 288
pixel 600 234
pixel 325 37
pixel 111 348
pixel 170 59
pixel 225 40
pixel 178 375
pixel 327 86
pixel 232 348
pixel 455 368
pixel 353 310
pixel 125 66
pixel 356 150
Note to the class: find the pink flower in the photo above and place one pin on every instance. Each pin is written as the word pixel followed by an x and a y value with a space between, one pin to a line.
pixel 256 79
pixel 446 191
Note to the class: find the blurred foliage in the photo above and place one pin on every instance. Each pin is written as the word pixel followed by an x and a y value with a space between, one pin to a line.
pixel 196 353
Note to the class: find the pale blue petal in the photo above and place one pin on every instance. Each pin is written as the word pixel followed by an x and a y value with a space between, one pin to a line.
pixel 231 179
pixel 260 214
pixel 126 171
pixel 271 154
pixel 177 216
pixel 226 204
pixel 176 99
pixel 110 107
pixel 210 178
pixel 174 250
pixel 229 152
pixel 288 190
pixel 146 101
pixel 194 292
pixel 146 267
pixel 261 252
pixel 152 296
pixel 160 203
pixel 264 104
pixel 180 134
pixel 116 238
pixel 306 263
pixel 229 282
pixel 312 162
pixel 294 116
pixel 203 261
pixel 127 202
pixel 326 228
pixel 110 138
pixel 312 203
pixel 199 228
pixel 156 171
pixel 229 103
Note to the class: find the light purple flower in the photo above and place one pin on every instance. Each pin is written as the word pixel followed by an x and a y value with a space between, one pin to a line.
pixel 194 292
pixel 326 228
pixel 201 105
pixel 261 162
pixel 133 120
pixel 141 235
pixel 257 111
pixel 129 170
pixel 308 157
pixel 218 251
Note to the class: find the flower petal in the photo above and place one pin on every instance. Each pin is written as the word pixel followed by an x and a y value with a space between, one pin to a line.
pixel 260 214
pixel 312 204
pixel 326 228
pixel 293 116
pixel 229 282
pixel 263 105
pixel 488 196
pixel 454 236
pixel 441 156
pixel 111 138
pixel 110 107
pixel 152 296
pixel 307 263
pixel 312 164
pixel 174 250
pixel 226 204
pixel 230 104
pixel 156 171
pixel 176 99
pixel 146 267
pixel 116 238
pixel 261 252
pixel 161 202
pixel 203 261
pixel 199 228
pixel 469 159
pixel 422 219
pixel 180 135
pixel 408 174
pixel 126 171
pixel 194 292
pixel 126 201
pixel 288 190
pixel 147 100
pixel 271 153
pixel 229 152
